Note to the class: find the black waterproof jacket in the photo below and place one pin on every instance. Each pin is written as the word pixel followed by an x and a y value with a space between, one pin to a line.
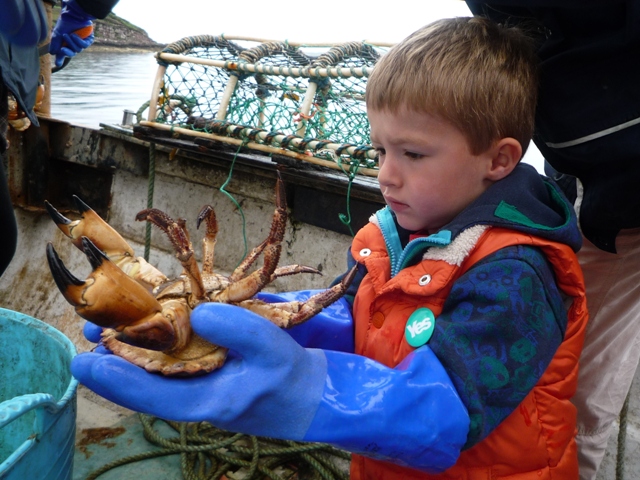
pixel 588 115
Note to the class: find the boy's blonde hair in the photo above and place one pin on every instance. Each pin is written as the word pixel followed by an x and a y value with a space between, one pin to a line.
pixel 478 75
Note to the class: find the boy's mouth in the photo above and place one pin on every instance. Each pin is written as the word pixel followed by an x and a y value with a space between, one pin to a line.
pixel 394 204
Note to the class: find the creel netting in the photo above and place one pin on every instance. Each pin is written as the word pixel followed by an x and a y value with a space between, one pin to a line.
pixel 307 99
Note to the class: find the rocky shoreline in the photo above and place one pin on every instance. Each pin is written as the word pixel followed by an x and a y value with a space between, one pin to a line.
pixel 123 48
pixel 116 33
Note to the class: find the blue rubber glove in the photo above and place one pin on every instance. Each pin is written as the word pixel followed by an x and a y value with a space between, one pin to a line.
pixel 23 22
pixel 70 35
pixel 271 386
pixel 92 332
pixel 331 329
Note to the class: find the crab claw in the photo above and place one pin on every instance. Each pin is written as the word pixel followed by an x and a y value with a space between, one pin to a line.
pixel 91 225
pixel 107 239
pixel 169 330
pixel 108 297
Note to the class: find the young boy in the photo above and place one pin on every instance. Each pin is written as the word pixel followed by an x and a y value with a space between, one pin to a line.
pixel 468 309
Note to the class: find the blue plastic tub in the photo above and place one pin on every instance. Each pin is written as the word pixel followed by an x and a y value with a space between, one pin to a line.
pixel 38 400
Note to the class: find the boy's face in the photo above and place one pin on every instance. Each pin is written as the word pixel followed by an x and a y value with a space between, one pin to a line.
pixel 427 173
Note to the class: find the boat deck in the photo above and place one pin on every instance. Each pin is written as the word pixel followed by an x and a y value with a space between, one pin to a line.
pixel 117 443
pixel 106 436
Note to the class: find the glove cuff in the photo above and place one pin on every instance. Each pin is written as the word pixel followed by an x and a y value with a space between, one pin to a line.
pixel 411 415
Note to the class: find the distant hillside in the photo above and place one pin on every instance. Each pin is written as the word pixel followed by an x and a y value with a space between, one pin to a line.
pixel 116 32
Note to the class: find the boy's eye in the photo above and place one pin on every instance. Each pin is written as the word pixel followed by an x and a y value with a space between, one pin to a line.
pixel 380 151
pixel 413 155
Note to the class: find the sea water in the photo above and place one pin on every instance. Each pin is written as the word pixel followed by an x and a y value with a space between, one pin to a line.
pixel 96 87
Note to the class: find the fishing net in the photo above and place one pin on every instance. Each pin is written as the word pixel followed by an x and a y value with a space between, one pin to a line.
pixel 304 101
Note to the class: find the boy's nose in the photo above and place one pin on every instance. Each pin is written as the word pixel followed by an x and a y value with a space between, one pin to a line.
pixel 387 174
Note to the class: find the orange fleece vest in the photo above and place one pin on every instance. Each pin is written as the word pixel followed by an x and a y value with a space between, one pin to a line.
pixel 537 441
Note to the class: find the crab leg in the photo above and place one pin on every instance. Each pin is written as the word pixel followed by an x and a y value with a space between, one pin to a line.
pixel 179 237
pixel 250 285
pixel 208 215
pixel 273 241
pixel 242 269
pixel 292 270
pixel 108 297
pixel 106 239
pixel 241 286
pixel 289 314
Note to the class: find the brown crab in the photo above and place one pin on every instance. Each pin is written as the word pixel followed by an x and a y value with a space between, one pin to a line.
pixel 145 315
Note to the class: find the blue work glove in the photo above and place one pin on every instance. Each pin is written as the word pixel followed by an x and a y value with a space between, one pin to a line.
pixel 92 332
pixel 330 329
pixel 73 32
pixel 271 386
pixel 23 22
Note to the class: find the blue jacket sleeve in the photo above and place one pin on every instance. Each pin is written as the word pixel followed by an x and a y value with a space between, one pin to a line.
pixel 499 329
pixel 23 22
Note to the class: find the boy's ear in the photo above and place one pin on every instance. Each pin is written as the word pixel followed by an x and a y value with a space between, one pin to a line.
pixel 506 154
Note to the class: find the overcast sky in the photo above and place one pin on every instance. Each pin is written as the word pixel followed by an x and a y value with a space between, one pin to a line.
pixel 167 21
pixel 330 20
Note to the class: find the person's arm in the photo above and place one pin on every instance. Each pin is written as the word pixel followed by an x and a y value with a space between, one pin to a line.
pixel 23 22
pixel 498 331
pixel 271 386
pixel 9 241
pixel 74 29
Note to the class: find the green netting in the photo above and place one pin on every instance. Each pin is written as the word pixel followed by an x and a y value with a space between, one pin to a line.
pixel 305 99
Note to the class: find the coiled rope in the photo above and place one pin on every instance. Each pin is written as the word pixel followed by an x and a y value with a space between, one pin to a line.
pixel 208 453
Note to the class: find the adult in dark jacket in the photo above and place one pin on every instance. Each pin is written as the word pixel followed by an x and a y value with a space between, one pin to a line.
pixel 23 26
pixel 588 129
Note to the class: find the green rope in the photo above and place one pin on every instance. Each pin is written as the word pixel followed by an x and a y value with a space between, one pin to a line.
pixel 353 169
pixel 207 452
pixel 235 202
pixel 152 180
